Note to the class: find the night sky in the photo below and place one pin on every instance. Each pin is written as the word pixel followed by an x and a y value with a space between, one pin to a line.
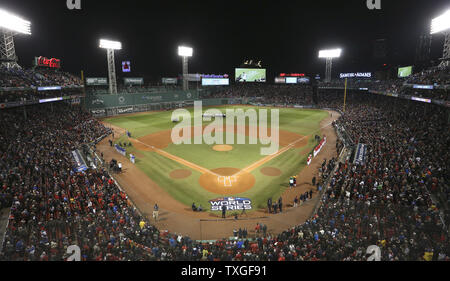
pixel 285 35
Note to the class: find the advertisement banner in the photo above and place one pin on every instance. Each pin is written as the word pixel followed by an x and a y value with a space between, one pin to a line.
pixel 320 146
pixel 120 150
pixel 125 110
pixel 231 203
pixel 170 81
pixel 291 80
pixel 356 75
pixel 215 81
pixel 309 160
pixel 425 87
pixel 303 80
pixel 360 155
pixel 43 61
pixel 96 81
pixel 98 112
pixel 79 161
pixel 196 77
pixel 280 80
pixel 52 88
pixel 133 81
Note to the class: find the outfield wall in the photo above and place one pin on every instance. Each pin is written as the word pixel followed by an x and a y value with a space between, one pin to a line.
pixel 103 105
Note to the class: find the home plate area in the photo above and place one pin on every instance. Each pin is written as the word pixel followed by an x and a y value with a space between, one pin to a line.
pixel 227 183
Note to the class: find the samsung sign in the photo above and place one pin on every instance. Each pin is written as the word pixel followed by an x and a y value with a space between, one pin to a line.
pixel 215 81
pixel 356 75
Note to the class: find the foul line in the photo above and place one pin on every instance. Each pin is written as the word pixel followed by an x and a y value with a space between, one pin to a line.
pixel 278 153
pixel 178 159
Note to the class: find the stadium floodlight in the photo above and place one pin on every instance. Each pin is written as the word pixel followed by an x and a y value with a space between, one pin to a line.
pixel 441 23
pixel 185 53
pixel 11 25
pixel 110 46
pixel 329 55
pixel 14 23
pixel 334 53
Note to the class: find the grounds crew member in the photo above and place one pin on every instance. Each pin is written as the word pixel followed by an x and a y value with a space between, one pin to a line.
pixel 155 212
pixel 224 211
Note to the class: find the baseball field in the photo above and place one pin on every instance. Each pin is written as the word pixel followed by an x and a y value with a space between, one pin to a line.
pixel 199 173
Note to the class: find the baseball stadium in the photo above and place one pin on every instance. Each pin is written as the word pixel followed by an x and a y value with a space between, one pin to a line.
pixel 118 147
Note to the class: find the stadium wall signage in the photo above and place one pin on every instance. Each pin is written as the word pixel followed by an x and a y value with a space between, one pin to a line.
pixel 120 150
pixel 426 87
pixel 54 88
pixel 98 111
pixel 133 81
pixel 231 203
pixel 125 110
pixel 320 146
pixel 80 164
pixel 360 155
pixel 421 99
pixel 356 75
pixel 92 81
pixel 292 75
pixel 214 76
pixel 43 61
pixel 169 80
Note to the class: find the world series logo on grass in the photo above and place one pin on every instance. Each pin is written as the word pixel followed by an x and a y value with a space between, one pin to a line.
pixel 232 203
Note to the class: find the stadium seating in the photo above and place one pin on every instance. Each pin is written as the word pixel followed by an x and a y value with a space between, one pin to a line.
pixel 394 201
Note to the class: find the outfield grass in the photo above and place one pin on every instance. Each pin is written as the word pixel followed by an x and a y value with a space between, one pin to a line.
pixel 158 168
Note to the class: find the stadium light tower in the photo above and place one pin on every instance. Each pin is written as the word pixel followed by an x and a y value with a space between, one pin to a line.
pixel 11 25
pixel 329 55
pixel 441 24
pixel 110 46
pixel 185 53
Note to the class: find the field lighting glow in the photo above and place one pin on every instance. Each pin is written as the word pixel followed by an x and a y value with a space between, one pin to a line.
pixel 185 51
pixel 441 23
pixel 107 44
pixel 14 23
pixel 334 53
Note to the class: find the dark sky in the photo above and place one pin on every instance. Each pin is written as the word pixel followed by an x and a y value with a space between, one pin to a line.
pixel 285 35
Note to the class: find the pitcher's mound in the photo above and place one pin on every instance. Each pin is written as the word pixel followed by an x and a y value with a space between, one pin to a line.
pixel 222 147
pixel 180 174
pixel 227 181
pixel 270 171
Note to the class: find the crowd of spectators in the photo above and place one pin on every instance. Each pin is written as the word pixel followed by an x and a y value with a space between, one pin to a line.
pixel 37 77
pixel 385 202
pixel 431 76
pixel 265 93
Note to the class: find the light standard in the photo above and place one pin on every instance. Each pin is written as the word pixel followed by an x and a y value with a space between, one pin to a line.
pixel 442 24
pixel 185 53
pixel 110 46
pixel 329 55
pixel 11 25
